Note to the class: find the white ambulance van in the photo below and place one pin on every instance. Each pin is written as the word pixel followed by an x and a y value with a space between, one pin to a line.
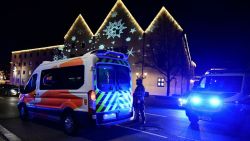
pixel 95 87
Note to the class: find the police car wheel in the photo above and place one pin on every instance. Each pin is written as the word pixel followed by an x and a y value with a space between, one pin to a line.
pixel 69 124
pixel 193 119
pixel 23 113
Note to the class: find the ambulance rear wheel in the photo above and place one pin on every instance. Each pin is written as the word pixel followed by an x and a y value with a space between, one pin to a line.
pixel 23 112
pixel 69 124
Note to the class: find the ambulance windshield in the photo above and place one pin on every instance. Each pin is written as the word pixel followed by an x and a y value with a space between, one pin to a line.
pixel 221 83
pixel 113 77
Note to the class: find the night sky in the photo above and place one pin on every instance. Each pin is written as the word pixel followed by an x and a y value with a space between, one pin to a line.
pixel 217 30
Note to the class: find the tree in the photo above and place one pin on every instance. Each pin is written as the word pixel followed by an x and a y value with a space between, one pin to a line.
pixel 166 51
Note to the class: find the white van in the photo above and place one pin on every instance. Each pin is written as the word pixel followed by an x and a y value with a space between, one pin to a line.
pixel 95 87
pixel 220 95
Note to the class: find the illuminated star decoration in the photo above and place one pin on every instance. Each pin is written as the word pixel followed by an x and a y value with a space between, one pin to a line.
pixel 139 38
pixel 114 29
pixel 114 14
pixel 130 52
pixel 101 46
pixel 113 42
pixel 73 38
pixel 132 30
pixel 55 58
pixel 128 39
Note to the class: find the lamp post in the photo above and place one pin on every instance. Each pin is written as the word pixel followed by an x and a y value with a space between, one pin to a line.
pixel 143 53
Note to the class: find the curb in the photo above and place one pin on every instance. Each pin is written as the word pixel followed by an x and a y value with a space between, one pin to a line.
pixel 6 135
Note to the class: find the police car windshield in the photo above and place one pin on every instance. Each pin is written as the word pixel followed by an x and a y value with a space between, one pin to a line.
pixel 113 77
pixel 221 83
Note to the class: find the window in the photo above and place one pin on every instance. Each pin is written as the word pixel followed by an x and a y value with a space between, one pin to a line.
pixel 31 85
pixel 62 78
pixel 25 55
pixel 30 72
pixel 18 72
pixel 23 72
pixel 20 56
pixel 15 56
pixel 113 77
pixel 24 63
pixel 19 64
pixel 221 83
pixel 160 82
pixel 30 63
pixel 30 55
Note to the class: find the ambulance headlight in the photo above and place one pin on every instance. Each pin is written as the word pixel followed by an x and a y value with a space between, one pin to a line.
pixel 196 100
pixel 215 101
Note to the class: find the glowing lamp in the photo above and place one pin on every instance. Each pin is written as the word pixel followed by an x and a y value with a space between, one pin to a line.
pixel 215 101
pixel 196 100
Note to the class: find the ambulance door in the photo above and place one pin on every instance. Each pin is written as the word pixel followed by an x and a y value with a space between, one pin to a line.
pixel 30 90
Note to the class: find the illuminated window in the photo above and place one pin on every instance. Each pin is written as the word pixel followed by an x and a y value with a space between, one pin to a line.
pixel 30 72
pixel 160 82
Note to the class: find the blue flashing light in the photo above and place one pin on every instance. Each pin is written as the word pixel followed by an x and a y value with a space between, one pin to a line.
pixel 196 100
pixel 215 101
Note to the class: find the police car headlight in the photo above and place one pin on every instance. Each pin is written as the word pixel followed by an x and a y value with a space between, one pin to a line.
pixel 196 100
pixel 215 101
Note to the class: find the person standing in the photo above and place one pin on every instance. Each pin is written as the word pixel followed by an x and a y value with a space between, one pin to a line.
pixel 138 101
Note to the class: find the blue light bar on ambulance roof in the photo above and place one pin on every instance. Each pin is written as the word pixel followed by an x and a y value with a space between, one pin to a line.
pixel 111 54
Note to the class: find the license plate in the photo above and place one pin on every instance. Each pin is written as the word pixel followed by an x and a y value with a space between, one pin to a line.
pixel 109 116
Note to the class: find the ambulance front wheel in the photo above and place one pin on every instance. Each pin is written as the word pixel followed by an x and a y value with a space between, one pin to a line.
pixel 69 124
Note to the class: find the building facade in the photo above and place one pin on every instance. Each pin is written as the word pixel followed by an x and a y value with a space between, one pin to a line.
pixel 160 53
pixel 24 62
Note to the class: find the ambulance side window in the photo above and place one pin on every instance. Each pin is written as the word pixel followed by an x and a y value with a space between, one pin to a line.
pixel 62 78
pixel 31 85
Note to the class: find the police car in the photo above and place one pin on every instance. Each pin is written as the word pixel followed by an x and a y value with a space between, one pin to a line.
pixel 221 95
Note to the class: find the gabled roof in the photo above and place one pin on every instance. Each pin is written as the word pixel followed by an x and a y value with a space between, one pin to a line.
pixel 122 5
pixel 164 12
pixel 80 20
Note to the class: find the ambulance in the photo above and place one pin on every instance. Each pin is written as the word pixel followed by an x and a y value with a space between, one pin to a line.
pixel 221 95
pixel 94 88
